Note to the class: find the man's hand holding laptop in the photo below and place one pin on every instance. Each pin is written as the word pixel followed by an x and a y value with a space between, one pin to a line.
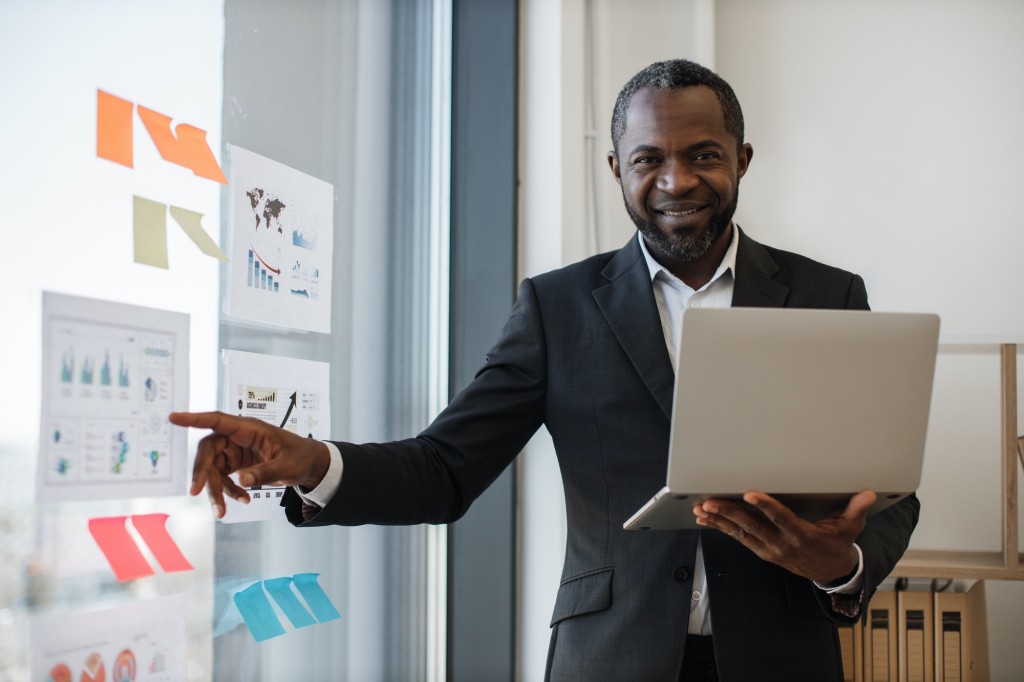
pixel 822 551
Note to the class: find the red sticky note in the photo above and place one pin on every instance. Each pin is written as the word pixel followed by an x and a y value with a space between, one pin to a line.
pixel 153 529
pixel 117 545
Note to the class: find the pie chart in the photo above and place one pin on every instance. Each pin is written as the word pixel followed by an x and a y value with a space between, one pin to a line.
pixel 59 673
pixel 94 670
pixel 123 669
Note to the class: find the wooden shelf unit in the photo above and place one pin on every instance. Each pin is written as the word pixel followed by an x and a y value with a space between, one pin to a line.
pixel 1007 564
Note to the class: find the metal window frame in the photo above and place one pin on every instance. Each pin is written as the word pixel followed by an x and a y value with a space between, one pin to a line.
pixel 481 545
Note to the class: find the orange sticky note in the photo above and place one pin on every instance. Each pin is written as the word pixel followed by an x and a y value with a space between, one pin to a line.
pixel 114 128
pixel 186 146
pixel 117 545
pixel 153 529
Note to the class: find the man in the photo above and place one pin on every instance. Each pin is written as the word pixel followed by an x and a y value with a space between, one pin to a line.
pixel 589 351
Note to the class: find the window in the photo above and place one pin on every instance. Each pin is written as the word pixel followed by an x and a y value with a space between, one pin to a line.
pixel 353 92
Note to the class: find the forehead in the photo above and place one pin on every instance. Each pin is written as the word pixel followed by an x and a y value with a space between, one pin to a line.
pixel 677 114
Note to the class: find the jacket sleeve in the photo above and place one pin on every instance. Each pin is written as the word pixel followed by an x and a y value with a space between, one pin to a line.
pixel 434 477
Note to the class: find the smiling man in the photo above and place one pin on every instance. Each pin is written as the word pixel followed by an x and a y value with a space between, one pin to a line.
pixel 589 352
pixel 679 166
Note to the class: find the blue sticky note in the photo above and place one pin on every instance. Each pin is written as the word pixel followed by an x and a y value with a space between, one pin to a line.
pixel 315 597
pixel 224 592
pixel 228 620
pixel 280 589
pixel 257 613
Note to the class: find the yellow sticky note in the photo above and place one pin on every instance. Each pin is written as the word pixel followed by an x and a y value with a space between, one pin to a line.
pixel 150 232
pixel 192 223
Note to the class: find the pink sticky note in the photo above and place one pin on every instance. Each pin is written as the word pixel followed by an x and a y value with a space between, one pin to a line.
pixel 153 529
pixel 117 545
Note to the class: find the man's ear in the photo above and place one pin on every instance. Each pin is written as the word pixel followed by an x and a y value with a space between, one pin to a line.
pixel 746 153
pixel 613 163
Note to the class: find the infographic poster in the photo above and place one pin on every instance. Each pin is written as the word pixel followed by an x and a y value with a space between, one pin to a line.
pixel 140 642
pixel 282 240
pixel 111 375
pixel 285 392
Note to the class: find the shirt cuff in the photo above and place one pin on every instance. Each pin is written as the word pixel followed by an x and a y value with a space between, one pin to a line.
pixel 323 493
pixel 851 586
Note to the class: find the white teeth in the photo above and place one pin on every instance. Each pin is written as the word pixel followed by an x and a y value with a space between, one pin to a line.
pixel 680 214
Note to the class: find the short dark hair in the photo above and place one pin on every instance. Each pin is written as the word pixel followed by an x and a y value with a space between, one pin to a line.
pixel 672 74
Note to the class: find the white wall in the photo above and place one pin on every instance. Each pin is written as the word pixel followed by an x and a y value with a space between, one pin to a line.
pixel 885 136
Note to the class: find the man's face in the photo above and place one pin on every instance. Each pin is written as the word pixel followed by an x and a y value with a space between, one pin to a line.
pixel 679 169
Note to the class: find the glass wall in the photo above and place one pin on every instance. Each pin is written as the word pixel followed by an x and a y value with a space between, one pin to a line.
pixel 351 93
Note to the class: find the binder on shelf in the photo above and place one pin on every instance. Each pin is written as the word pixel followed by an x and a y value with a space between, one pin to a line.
pixel 961 635
pixel 879 638
pixel 916 636
pixel 851 643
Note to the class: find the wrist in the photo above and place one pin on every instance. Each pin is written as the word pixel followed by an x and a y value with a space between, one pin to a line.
pixel 853 561
pixel 320 462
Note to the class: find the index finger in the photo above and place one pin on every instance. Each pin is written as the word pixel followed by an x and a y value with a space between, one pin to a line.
pixel 776 512
pixel 225 424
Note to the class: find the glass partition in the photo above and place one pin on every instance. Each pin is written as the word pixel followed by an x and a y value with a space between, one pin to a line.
pixel 113 198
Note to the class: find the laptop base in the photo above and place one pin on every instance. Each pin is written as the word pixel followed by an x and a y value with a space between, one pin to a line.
pixel 669 511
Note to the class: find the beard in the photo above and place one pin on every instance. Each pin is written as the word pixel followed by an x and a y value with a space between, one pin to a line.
pixel 682 246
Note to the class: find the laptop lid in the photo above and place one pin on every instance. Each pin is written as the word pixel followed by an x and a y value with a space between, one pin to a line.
pixel 795 401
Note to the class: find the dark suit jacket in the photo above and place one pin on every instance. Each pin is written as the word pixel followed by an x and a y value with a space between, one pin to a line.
pixel 583 353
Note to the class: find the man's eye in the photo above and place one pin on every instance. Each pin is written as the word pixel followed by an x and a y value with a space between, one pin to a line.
pixel 644 159
pixel 706 156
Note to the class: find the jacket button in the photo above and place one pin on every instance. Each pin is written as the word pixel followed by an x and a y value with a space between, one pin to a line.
pixel 681 573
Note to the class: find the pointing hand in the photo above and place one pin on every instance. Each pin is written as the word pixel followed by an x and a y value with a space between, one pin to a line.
pixel 260 453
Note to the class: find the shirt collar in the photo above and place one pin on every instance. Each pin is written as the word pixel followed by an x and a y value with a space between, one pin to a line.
pixel 728 264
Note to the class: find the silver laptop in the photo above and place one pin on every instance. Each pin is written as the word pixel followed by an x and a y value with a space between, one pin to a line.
pixel 811 406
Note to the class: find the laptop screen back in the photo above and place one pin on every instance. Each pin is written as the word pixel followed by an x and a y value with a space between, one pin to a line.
pixel 801 401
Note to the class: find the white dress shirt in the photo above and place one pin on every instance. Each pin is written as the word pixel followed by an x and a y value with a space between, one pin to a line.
pixel 673 297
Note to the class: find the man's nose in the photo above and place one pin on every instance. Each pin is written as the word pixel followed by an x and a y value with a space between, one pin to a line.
pixel 677 177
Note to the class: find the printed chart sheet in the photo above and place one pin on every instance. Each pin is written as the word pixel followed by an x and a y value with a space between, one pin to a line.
pixel 111 375
pixel 285 392
pixel 143 642
pixel 282 241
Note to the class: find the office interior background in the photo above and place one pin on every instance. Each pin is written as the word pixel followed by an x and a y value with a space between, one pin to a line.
pixel 465 141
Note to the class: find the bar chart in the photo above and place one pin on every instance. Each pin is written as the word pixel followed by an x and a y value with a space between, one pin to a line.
pixel 261 275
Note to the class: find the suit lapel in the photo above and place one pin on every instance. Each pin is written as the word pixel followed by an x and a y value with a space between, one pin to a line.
pixel 754 286
pixel 628 304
